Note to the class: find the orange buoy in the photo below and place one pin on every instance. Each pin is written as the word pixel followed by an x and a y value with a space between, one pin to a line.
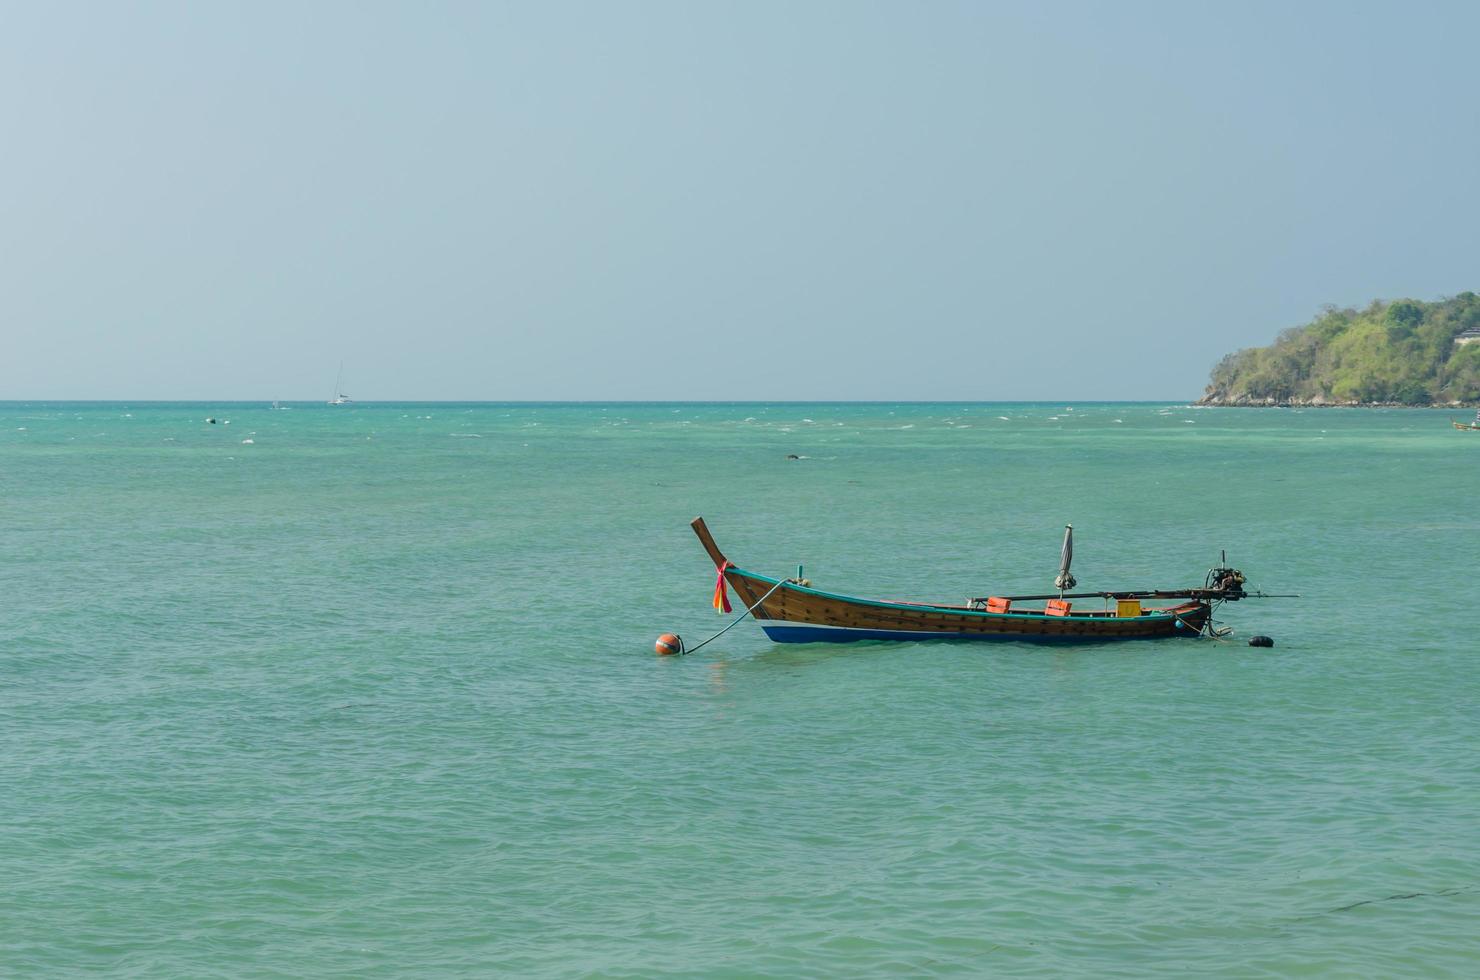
pixel 669 644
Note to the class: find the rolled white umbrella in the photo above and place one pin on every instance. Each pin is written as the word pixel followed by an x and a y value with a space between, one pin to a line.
pixel 1064 579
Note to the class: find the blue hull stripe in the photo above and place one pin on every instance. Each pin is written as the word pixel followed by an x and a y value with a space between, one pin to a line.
pixel 834 634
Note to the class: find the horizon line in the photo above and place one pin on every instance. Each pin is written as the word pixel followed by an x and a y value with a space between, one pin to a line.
pixel 604 401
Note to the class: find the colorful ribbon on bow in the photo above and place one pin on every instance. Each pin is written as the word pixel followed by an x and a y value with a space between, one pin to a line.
pixel 721 593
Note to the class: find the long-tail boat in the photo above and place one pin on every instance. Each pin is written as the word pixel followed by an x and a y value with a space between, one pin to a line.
pixel 791 611
pixel 1467 426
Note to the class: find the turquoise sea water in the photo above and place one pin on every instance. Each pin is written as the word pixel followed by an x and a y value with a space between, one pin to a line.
pixel 374 694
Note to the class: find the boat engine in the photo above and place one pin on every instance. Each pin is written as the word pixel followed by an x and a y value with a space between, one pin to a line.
pixel 1229 581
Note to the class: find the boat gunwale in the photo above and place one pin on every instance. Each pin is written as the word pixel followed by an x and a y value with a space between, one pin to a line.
pixel 734 569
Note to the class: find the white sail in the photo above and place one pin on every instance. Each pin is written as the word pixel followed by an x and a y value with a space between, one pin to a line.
pixel 340 398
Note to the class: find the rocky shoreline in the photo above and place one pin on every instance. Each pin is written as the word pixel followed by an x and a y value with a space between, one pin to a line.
pixel 1245 401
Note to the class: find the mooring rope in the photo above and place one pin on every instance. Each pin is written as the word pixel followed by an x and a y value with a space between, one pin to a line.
pixel 1182 622
pixel 737 619
pixel 1208 629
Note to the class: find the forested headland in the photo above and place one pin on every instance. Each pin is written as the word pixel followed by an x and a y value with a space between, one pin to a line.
pixel 1403 352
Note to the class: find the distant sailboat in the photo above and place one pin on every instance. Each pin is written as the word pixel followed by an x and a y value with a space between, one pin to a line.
pixel 340 398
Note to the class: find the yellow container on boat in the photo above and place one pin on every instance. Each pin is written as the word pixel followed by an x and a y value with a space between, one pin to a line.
pixel 1127 607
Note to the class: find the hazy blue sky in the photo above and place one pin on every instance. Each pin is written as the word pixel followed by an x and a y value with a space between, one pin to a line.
pixel 714 200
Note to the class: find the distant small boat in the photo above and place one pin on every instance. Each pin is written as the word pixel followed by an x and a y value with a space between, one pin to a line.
pixel 1468 426
pixel 340 398
pixel 791 611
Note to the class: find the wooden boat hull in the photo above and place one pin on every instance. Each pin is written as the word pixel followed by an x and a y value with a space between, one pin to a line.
pixel 1464 426
pixel 795 613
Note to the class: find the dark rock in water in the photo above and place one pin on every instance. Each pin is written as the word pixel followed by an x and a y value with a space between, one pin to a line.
pixel 1261 641
pixel 212 421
